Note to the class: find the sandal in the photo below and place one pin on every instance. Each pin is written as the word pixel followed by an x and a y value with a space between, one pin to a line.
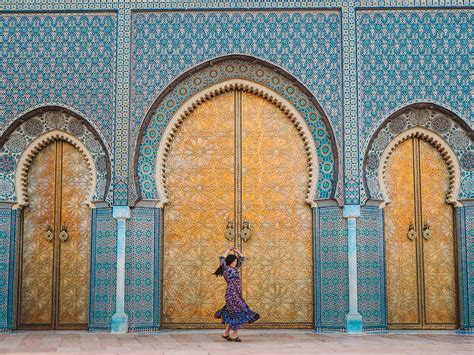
pixel 238 340
pixel 227 337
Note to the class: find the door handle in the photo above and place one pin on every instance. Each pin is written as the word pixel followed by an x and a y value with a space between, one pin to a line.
pixel 426 232
pixel 64 234
pixel 411 232
pixel 49 234
pixel 230 231
pixel 245 232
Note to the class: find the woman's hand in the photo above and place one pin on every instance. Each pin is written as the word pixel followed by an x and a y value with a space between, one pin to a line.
pixel 227 251
pixel 237 251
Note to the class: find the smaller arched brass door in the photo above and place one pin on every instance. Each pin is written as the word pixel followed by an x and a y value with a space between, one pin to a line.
pixel 419 240
pixel 55 241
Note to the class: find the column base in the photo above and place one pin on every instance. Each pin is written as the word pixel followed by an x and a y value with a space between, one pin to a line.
pixel 354 323
pixel 119 324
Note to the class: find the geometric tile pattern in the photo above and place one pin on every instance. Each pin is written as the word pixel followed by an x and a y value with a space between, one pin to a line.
pixel 442 124
pixel 371 268
pixel 412 56
pixel 40 124
pixel 122 110
pixel 103 269
pixel 465 217
pixel 67 59
pixel 142 269
pixel 305 44
pixel 214 74
pixel 331 284
pixel 7 259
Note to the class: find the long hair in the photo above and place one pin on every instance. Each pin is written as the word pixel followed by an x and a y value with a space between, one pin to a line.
pixel 228 260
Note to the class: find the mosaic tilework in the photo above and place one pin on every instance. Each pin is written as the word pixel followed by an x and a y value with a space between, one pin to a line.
pixel 7 258
pixel 351 153
pixel 180 40
pixel 36 126
pixel 432 119
pixel 103 269
pixel 412 56
pixel 121 142
pixel 142 269
pixel 331 284
pixel 59 58
pixel 465 217
pixel 220 72
pixel 371 268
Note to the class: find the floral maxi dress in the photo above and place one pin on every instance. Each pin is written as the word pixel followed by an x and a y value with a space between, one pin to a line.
pixel 235 312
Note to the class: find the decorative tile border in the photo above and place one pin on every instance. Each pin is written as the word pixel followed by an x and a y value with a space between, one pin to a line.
pixel 38 123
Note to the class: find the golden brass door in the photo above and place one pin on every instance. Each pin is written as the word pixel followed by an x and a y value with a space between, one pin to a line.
pixel 277 279
pixel 237 164
pixel 54 248
pixel 419 240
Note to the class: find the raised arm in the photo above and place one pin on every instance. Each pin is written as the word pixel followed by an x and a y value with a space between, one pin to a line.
pixel 240 256
pixel 223 256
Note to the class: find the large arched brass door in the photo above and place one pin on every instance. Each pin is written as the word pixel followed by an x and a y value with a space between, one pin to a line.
pixel 238 162
pixel 419 237
pixel 55 243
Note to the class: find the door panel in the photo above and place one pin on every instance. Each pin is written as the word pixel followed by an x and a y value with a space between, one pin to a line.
pixel 74 252
pixel 438 249
pixel 421 283
pixel 277 277
pixel 54 278
pixel 36 279
pixel 200 182
pixel 401 252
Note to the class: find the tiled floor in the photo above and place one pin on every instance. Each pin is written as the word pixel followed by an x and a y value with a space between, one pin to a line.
pixel 254 342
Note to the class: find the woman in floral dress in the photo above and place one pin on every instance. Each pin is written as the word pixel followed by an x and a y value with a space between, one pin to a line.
pixel 235 312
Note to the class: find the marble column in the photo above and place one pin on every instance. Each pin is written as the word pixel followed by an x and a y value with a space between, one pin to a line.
pixel 353 318
pixel 120 319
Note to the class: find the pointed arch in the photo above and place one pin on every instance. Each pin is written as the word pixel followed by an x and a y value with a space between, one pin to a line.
pixel 21 174
pixel 42 120
pixel 255 73
pixel 443 148
pixel 236 84
pixel 451 135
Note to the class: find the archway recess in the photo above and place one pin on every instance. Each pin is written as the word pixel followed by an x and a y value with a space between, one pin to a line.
pixel 442 128
pixel 246 73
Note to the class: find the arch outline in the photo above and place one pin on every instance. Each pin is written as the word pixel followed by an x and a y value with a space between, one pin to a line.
pixel 444 124
pixel 251 87
pixel 144 191
pixel 24 163
pixel 441 146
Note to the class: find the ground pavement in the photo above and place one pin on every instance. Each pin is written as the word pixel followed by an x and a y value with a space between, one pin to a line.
pixel 254 342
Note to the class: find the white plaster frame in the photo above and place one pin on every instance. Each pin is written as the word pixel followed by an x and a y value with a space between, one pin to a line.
pixel 21 173
pixel 443 148
pixel 248 86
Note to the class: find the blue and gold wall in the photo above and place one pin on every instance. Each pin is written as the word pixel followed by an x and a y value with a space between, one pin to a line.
pixel 117 68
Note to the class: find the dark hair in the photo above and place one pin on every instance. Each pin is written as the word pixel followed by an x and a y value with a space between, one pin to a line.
pixel 228 260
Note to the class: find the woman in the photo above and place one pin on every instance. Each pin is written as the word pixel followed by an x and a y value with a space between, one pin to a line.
pixel 235 312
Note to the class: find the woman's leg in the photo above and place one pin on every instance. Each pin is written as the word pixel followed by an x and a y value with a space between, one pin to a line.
pixel 235 333
pixel 227 330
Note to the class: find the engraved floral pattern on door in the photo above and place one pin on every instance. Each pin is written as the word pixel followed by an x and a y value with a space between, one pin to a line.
pixel 277 278
pixel 438 248
pixel 74 252
pixel 400 252
pixel 421 290
pixel 199 176
pixel 36 289
pixel 54 278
